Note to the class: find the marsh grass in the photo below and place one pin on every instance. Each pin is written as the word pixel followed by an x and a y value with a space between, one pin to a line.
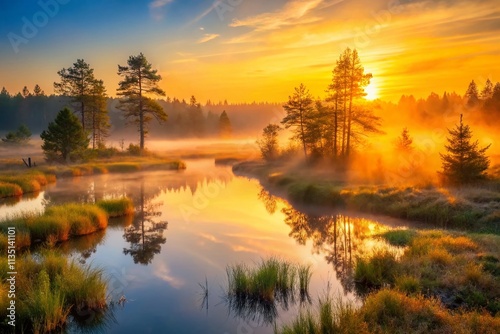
pixel 272 278
pixel 258 290
pixel 49 288
pixel 117 207
pixel 398 237
pixel 389 311
pixel 60 223
pixel 461 270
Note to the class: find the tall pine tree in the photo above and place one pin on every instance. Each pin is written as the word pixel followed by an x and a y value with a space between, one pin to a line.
pixel 140 80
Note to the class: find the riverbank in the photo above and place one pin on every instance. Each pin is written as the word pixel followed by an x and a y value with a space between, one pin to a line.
pixel 63 222
pixel 17 182
pixel 474 209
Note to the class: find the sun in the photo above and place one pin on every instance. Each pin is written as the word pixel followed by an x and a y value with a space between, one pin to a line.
pixel 371 91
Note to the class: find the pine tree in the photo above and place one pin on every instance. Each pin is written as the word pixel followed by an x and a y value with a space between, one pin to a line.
pixel 404 142
pixel 464 161
pixel 298 109
pixel 37 91
pixel 76 82
pixel 26 92
pixel 487 91
pixel 139 79
pixel 225 129
pixel 64 137
pixel 98 114
pixel 472 94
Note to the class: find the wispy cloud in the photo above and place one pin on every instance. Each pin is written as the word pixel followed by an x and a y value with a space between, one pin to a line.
pixel 207 38
pixel 159 3
pixel 156 8
pixel 294 12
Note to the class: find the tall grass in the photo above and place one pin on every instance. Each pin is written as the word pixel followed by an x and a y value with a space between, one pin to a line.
pixel 258 290
pixel 117 207
pixel 60 223
pixel 463 272
pixel 49 287
pixel 389 311
pixel 272 278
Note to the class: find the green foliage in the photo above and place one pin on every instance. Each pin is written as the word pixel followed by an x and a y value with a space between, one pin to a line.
pixel 140 79
pixel 65 138
pixel 117 207
pixel 48 288
pixel 464 161
pixel 373 272
pixel 399 237
pixel 273 278
pixel 21 136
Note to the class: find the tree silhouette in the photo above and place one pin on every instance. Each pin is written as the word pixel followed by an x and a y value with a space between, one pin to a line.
pixel 464 161
pixel 146 234
pixel 298 110
pixel 268 144
pixel 404 142
pixel 472 94
pixel 225 128
pixel 64 137
pixel 37 91
pixel 139 80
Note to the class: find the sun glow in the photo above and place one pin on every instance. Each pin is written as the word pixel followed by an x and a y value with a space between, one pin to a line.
pixel 371 91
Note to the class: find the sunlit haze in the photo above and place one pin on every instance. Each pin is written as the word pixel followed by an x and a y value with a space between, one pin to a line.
pixel 256 50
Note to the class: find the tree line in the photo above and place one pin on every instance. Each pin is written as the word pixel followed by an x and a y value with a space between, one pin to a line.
pixel 329 128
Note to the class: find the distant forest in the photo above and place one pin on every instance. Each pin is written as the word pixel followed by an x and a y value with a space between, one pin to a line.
pixel 186 119
pixel 190 119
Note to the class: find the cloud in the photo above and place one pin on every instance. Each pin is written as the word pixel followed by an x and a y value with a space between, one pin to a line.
pixel 156 8
pixel 207 38
pixel 293 13
pixel 159 3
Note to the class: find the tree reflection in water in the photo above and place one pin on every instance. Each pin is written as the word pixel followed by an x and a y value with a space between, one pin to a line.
pixel 145 235
pixel 339 237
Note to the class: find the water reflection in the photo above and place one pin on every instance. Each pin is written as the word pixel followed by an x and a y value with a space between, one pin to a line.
pixel 270 201
pixel 339 237
pixel 145 235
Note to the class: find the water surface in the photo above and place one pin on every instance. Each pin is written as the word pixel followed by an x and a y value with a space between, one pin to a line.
pixel 189 226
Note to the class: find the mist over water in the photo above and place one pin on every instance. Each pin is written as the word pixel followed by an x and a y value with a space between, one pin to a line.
pixel 189 226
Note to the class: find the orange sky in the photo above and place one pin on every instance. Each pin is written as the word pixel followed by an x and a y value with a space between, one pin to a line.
pixel 261 51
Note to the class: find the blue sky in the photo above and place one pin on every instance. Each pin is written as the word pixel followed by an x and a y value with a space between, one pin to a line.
pixel 245 50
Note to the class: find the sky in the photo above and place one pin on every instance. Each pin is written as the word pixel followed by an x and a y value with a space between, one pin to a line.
pixel 254 50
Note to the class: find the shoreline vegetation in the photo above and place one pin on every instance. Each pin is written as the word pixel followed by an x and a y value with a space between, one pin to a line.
pixel 63 222
pixel 16 182
pixel 470 208
pixel 440 281
pixel 49 290
pixel 444 282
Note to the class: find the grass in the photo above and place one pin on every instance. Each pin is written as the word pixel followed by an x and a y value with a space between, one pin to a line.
pixel 272 278
pixel 389 311
pixel 117 207
pixel 60 223
pixel 463 271
pixel 256 291
pixel 49 288
pixel 17 184
pixel 399 237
